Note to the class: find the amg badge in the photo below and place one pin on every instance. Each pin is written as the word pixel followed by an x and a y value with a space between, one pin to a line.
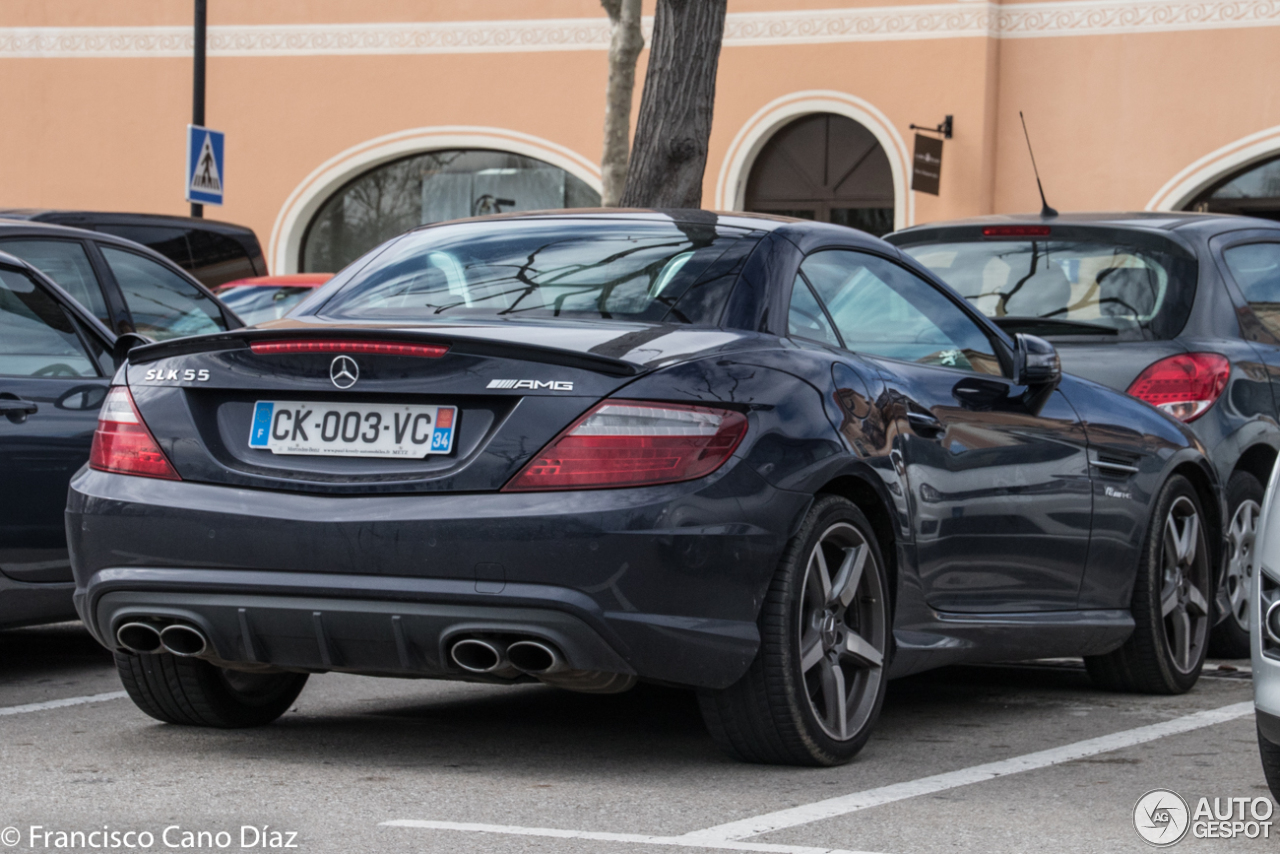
pixel 554 385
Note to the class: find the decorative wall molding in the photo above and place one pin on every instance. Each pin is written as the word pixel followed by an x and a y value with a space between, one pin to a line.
pixel 1098 17
pixel 1052 19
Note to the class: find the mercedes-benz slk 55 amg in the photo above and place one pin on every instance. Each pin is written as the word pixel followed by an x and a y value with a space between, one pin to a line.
pixel 774 461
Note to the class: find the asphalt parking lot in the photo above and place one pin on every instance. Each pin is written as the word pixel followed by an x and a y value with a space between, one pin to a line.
pixel 363 765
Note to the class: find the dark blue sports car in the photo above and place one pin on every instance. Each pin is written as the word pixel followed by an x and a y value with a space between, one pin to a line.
pixel 775 461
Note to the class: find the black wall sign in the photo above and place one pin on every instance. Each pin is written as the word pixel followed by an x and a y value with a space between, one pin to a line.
pixel 926 169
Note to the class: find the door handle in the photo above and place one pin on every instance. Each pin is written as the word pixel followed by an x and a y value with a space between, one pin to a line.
pixel 17 410
pixel 924 424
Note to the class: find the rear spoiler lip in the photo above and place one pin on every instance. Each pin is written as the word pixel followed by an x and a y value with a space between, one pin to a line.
pixel 241 338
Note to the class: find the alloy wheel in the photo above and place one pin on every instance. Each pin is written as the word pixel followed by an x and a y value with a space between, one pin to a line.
pixel 1184 607
pixel 843 632
pixel 1240 538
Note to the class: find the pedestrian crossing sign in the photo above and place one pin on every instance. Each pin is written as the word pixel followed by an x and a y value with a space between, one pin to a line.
pixel 204 165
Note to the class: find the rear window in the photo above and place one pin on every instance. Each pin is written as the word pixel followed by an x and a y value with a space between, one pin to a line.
pixel 1093 286
pixel 505 270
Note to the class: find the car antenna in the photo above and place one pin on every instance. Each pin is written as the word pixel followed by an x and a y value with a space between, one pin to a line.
pixel 1045 210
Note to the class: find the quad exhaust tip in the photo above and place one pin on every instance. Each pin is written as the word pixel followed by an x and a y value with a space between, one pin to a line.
pixel 476 655
pixel 535 657
pixel 147 639
pixel 183 640
pixel 139 637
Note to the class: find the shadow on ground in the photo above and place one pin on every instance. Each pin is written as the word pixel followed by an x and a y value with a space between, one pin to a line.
pixel 534 730
pixel 49 651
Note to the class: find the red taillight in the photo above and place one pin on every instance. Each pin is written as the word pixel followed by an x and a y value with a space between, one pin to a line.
pixel 123 444
pixel 379 348
pixel 1016 231
pixel 634 443
pixel 1185 386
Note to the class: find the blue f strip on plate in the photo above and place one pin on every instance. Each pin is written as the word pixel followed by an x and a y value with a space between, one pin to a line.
pixel 261 434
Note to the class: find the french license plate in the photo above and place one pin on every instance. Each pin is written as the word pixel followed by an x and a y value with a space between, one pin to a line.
pixel 352 429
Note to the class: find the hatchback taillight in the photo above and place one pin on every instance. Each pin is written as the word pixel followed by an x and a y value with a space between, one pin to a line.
pixel 1185 385
pixel 123 444
pixel 634 443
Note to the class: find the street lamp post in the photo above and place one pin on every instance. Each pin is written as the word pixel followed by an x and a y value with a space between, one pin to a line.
pixel 197 93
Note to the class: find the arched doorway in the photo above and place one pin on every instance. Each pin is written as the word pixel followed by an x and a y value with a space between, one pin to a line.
pixel 825 167
pixel 1252 191
pixel 427 187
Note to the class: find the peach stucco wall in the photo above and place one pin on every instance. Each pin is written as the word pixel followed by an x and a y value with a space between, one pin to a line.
pixel 1113 116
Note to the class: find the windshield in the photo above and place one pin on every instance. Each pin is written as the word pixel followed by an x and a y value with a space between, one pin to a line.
pixel 1068 287
pixel 505 270
pixel 260 303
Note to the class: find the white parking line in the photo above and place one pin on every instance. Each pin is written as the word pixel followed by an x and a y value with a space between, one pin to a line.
pixel 634 838
pixel 729 836
pixel 58 704
pixel 845 804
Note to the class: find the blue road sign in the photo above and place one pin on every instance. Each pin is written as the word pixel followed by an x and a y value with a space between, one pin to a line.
pixel 204 165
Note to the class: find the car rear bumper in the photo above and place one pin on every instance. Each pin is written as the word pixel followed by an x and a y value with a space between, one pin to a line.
pixel 663 582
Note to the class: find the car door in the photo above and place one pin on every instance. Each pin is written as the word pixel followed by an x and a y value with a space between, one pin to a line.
pixel 53 378
pixel 1250 261
pixel 999 484
pixel 161 303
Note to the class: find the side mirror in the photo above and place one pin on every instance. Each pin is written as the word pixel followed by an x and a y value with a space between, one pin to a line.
pixel 126 342
pixel 1036 362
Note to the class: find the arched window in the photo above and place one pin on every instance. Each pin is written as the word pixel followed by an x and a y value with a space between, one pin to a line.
pixel 432 187
pixel 1252 191
pixel 824 167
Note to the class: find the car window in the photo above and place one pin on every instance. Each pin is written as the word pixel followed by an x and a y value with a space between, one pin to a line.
pixel 882 309
pixel 168 241
pixel 806 319
pixel 1256 269
pixel 216 259
pixel 260 303
pixel 163 305
pixel 1107 284
pixel 67 263
pixel 619 270
pixel 37 338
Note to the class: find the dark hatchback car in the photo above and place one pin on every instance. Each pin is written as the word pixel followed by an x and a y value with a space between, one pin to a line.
pixel 65 295
pixel 213 252
pixel 771 460
pixel 1180 310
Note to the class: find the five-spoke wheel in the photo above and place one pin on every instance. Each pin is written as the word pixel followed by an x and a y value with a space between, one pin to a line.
pixel 814 691
pixel 1170 606
pixel 842 631
pixel 1184 583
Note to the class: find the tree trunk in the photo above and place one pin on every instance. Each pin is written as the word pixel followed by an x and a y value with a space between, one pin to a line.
pixel 625 43
pixel 670 151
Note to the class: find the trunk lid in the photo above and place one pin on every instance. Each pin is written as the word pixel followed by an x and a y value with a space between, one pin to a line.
pixel 514 386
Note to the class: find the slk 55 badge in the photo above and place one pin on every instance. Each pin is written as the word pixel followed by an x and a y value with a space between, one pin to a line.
pixel 188 375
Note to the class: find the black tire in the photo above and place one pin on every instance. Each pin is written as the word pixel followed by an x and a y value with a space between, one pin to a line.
pixel 195 693
pixel 1230 638
pixel 1270 753
pixel 820 644
pixel 1170 605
